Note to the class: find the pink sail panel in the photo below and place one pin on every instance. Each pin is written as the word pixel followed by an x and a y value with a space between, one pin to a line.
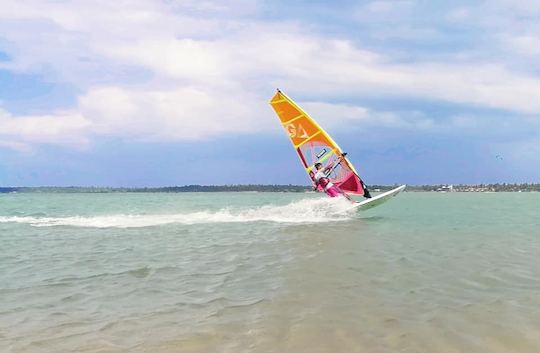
pixel 320 150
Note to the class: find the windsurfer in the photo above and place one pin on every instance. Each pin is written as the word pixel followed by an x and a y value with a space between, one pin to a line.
pixel 322 180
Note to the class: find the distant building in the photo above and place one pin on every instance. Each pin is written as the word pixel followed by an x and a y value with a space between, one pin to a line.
pixel 446 188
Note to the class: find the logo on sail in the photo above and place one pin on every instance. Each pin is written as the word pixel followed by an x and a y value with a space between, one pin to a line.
pixel 297 131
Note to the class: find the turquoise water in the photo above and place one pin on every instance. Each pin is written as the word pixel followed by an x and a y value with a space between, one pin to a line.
pixel 269 272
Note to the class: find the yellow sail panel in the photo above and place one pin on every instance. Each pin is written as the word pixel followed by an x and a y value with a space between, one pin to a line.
pixel 297 123
pixel 313 144
pixel 301 130
pixel 284 109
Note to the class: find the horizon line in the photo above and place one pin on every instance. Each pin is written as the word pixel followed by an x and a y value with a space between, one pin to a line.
pixel 254 185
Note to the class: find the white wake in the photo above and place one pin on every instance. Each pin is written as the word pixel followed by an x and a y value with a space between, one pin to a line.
pixel 303 211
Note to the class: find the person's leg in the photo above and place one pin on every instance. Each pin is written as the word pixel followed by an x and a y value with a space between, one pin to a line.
pixel 332 192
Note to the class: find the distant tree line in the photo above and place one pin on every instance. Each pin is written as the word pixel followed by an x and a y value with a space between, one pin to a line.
pixel 504 187
pixel 185 188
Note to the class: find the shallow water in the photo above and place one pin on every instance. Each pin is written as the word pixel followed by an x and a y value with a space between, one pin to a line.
pixel 269 272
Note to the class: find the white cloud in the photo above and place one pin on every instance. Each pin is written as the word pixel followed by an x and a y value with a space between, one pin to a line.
pixel 175 58
pixel 179 114
pixel 190 70
pixel 187 114
pixel 65 128
pixel 336 112
pixel 526 45
pixel 339 117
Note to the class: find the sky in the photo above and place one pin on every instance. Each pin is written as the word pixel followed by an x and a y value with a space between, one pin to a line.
pixel 159 93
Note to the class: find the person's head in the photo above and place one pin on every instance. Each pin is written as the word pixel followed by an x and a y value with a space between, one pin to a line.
pixel 318 166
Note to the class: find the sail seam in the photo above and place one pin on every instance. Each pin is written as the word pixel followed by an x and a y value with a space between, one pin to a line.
pixel 293 119
pixel 308 139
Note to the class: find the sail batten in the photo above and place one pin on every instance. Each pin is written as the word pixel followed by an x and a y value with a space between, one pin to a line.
pixel 293 119
pixel 314 145
pixel 308 139
pixel 321 160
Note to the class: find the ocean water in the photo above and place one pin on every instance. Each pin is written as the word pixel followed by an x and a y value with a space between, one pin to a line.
pixel 269 272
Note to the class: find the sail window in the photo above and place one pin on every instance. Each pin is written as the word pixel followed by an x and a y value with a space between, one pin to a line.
pixel 322 153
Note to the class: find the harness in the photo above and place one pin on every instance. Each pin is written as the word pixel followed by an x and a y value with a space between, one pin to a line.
pixel 322 182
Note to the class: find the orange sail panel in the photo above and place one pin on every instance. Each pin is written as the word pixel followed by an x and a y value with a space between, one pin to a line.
pixel 314 145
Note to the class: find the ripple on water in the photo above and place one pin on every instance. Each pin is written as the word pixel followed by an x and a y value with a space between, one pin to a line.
pixel 428 277
pixel 142 272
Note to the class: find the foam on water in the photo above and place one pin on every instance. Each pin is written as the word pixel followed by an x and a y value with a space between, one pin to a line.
pixel 303 211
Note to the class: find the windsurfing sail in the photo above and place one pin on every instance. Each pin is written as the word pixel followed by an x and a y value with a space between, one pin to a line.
pixel 314 145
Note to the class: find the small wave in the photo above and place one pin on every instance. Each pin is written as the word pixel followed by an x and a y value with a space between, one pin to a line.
pixel 303 211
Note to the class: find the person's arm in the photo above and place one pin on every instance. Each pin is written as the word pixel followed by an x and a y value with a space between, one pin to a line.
pixel 341 158
pixel 328 167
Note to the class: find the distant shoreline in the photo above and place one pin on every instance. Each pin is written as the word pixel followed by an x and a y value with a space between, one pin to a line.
pixel 525 187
